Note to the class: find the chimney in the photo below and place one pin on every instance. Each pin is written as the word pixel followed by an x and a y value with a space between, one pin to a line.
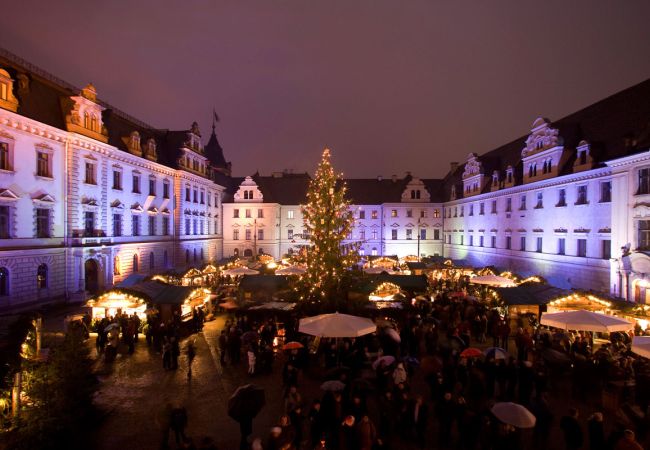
pixel 394 177
pixel 380 178
pixel 454 166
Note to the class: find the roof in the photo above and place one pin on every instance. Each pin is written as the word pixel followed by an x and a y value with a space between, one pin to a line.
pixel 413 283
pixel 616 126
pixel 531 294
pixel 214 152
pixel 263 282
pixel 158 292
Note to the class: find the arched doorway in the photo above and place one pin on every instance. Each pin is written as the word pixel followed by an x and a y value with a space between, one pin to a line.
pixel 248 253
pixel 91 271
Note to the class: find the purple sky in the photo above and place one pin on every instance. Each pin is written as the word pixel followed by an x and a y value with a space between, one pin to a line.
pixel 389 86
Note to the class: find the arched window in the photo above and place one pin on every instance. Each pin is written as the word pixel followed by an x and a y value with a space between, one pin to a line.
pixel 152 261
pixel 116 266
pixel 530 170
pixel 236 252
pixel 4 281
pixel 86 120
pixel 187 255
pixel 165 259
pixel 136 263
pixel 93 123
pixel 41 276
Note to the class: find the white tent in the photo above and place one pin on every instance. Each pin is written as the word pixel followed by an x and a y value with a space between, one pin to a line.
pixel 239 271
pixel 582 320
pixel 291 270
pixel 641 346
pixel 336 326
pixel 493 280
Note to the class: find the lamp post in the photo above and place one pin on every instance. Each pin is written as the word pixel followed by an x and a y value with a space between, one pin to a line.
pixel 418 231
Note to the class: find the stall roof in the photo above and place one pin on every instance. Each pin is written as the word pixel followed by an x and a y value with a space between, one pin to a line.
pixel 413 283
pixel 131 280
pixel 531 294
pixel 416 265
pixel 158 292
pixel 259 282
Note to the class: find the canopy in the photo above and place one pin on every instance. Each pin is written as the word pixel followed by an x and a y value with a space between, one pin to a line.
pixel 493 280
pixel 586 321
pixel 514 414
pixel 239 271
pixel 291 270
pixel 641 346
pixel 336 325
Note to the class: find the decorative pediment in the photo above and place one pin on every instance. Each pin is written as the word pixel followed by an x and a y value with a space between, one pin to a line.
pixel 137 207
pixel 581 230
pixel 202 213
pixel 395 225
pixel 521 230
pixel 165 211
pixel 89 201
pixel 236 225
pixel 153 210
pixel 187 212
pixel 248 192
pixel 117 204
pixel 493 230
pixel 560 230
pixel 8 194
pixel 193 141
pixel 290 226
pixel 641 209
pixel 195 213
pixel 605 230
pixel 409 225
pixel 542 137
pixel 83 114
pixel 7 99
pixel 44 198
pixel 538 230
pixel 473 166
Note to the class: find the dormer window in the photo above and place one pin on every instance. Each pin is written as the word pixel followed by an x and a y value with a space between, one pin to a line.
pixel 509 175
pixel 7 99
pixel 4 90
pixel 582 157
pixel 532 170
pixel 495 179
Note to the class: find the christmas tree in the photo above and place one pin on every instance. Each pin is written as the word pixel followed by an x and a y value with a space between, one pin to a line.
pixel 328 221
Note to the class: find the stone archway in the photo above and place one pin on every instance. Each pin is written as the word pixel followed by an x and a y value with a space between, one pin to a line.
pixel 91 276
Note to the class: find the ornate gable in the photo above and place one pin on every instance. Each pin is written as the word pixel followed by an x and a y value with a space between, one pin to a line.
pixel 132 142
pixel 543 154
pixel 416 191
pixel 248 192
pixel 83 114
pixel 473 177
pixel 7 99
pixel 542 137
pixel 193 141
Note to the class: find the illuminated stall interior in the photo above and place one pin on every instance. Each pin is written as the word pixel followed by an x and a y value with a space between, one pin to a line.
pixel 386 291
pixel 116 301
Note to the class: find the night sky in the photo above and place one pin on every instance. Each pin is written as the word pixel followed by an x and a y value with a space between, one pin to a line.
pixel 390 86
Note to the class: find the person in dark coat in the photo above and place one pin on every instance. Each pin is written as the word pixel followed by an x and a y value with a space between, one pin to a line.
pixel 348 434
pixel 571 428
pixel 316 425
pixel 446 410
pixel 419 413
pixel 178 422
pixel 596 432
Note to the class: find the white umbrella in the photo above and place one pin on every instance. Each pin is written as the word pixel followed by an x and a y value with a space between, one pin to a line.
pixel 336 325
pixel 291 270
pixel 582 320
pixel 394 335
pixel 386 360
pixel 239 271
pixel 493 280
pixel 514 414
pixel 641 346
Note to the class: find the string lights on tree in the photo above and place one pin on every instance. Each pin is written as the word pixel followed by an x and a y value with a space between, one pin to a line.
pixel 328 221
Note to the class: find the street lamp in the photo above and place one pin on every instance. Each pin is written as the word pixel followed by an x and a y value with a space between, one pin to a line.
pixel 418 231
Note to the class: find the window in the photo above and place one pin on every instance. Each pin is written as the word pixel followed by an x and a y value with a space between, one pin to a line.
pixel 290 214
pixel 216 199
pixel 393 213
pixel 436 234
pixel 471 209
pixel 165 189
pixel 373 252
pixel 540 200
pixel 561 246
pixel 235 213
pixel 643 228
pixel 522 243
pixel 152 225
pixel 471 240
pixel 152 186
pixel 409 233
pixel 373 214
pixel 135 225
pixel 522 203
pixel 260 213
pixel 362 235
pixel 582 247
pixel 481 209
pixel 644 181
pixel 409 213
pixel 188 195
pixel 136 184
pixel 117 225
pixel 202 226
pixel 43 164
pixel 41 276
pixel 165 226
pixel 462 210
pixel 235 235
pixel 493 241
pixel 4 222
pixel 202 197
pixel 508 204
pixel 362 214
pixel 606 191
pixel 260 235
pixel 290 233
pixel 606 249
pixel 194 226
pixel 582 195
pixel 494 206
pixel 480 241
pixel 561 197
pixel 89 223
pixel 196 197
pixel 436 213
pixel 508 242
pixel 42 223
pixel 4 281
pixel 538 246
pixel 462 239
pixel 248 213
pixel 374 234
pixel 5 162
pixel 393 234
pixel 136 263
pixel 117 179
pixel 216 226
pixel 423 234
pixel 456 211
pixel 188 228
pixel 90 173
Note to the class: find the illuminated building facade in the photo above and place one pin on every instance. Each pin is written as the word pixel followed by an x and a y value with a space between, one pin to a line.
pixel 90 195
